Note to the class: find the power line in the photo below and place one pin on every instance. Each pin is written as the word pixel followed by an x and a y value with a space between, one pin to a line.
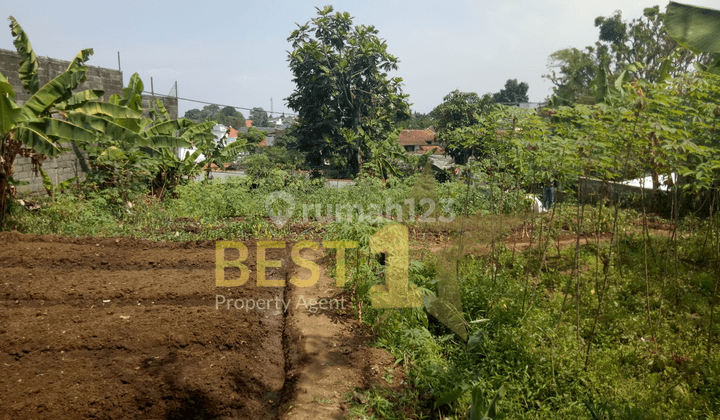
pixel 213 103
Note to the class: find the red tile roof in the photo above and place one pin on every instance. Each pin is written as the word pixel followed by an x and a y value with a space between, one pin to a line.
pixel 214 167
pixel 248 123
pixel 263 143
pixel 437 149
pixel 233 133
pixel 416 137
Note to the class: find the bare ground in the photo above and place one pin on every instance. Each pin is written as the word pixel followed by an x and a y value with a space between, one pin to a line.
pixel 125 328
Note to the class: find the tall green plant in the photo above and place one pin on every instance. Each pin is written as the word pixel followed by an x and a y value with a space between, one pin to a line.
pixel 133 146
pixel 31 130
pixel 222 151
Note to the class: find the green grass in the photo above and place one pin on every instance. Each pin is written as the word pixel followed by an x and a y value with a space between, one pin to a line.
pixel 636 369
pixel 221 208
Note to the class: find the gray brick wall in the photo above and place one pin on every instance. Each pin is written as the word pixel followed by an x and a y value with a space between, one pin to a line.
pixel 171 104
pixel 108 80
pixel 68 165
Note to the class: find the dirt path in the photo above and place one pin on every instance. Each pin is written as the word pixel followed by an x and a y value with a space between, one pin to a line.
pixel 331 357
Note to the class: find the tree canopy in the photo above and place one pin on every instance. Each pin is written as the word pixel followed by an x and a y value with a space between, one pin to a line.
pixel 255 136
pixel 572 72
pixel 459 110
pixel 644 40
pixel 227 116
pixel 577 73
pixel 344 98
pixel 259 117
pixel 513 93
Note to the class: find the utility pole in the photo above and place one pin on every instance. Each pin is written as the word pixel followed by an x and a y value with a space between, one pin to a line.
pixel 271 106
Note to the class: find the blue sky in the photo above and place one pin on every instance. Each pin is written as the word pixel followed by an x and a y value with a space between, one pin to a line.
pixel 235 52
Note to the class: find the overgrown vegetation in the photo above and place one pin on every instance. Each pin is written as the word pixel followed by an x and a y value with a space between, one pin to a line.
pixel 606 310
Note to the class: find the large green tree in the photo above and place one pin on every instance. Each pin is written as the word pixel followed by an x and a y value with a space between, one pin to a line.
pixel 199 115
pixel 458 110
pixel 342 87
pixel 259 117
pixel 228 116
pixel 578 73
pixel 512 93
pixel 644 40
pixel 231 117
pixel 572 72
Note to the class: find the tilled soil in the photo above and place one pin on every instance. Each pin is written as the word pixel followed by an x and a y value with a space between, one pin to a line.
pixel 124 328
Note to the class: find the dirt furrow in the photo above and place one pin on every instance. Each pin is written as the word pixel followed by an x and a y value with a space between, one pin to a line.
pixel 134 339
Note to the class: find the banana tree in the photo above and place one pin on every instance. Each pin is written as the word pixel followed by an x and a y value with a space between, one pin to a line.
pixel 172 169
pixel 220 152
pixel 31 130
pixel 132 147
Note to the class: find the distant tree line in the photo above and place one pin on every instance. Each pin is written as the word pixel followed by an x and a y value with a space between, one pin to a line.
pixel 228 116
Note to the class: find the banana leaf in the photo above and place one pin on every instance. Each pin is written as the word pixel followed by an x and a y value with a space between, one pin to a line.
pixel 169 127
pixel 161 111
pixel 6 88
pixel 167 141
pixel 9 113
pixel 79 99
pixel 57 90
pixel 110 110
pixel 43 134
pixel 37 140
pixel 80 59
pixel 107 127
pixel 28 70
pixel 693 27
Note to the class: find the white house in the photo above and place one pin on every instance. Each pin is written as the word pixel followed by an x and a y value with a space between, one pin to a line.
pixel 218 130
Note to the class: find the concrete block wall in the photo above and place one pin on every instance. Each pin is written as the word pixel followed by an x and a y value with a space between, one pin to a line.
pixel 108 80
pixel 171 104
pixel 72 164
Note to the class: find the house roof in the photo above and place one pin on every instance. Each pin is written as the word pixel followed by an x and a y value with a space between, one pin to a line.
pixel 416 137
pixel 437 149
pixel 248 123
pixel 263 143
pixel 233 133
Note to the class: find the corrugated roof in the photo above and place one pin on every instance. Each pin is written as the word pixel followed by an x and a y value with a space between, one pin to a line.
pixel 442 162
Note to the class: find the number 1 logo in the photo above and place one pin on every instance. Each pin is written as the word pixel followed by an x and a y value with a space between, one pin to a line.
pixel 397 292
